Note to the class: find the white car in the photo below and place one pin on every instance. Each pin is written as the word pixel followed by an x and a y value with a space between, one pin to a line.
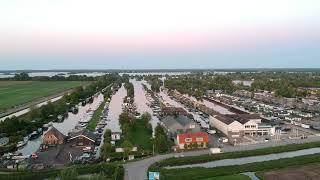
pixel 211 131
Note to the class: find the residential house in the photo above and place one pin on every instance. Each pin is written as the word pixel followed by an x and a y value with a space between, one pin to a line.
pixel 115 136
pixel 82 138
pixel 53 137
pixel 192 140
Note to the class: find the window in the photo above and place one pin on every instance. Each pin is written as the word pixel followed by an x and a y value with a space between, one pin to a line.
pixel 247 126
pixel 253 126
pixel 188 140
pixel 199 139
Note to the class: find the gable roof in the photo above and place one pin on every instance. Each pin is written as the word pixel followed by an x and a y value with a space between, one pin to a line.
pixel 56 133
pixel 84 133
pixel 244 118
pixel 225 119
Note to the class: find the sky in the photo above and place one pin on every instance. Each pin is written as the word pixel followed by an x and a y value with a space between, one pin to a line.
pixel 166 34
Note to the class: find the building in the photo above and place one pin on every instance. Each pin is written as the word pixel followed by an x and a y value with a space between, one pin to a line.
pixel 82 138
pixel 237 125
pixel 192 140
pixel 179 124
pixel 115 136
pixel 53 137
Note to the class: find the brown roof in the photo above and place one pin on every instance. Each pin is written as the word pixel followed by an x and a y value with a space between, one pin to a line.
pixel 56 133
pixel 243 118
pixel 225 119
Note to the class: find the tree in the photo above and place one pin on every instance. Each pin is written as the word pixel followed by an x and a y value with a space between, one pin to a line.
pixel 68 174
pixel 127 147
pixel 161 144
pixel 146 117
pixel 106 151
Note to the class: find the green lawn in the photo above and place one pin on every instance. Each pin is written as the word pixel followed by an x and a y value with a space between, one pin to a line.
pixel 140 136
pixel 231 177
pixel 95 118
pixel 13 93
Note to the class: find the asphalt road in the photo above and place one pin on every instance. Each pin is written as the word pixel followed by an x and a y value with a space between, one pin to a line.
pixel 138 170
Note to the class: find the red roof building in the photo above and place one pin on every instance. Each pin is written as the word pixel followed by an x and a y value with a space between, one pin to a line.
pixel 193 140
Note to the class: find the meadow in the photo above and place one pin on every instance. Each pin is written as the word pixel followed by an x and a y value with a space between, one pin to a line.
pixel 15 93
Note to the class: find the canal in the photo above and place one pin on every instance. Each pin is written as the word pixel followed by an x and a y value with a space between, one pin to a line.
pixel 141 101
pixel 115 109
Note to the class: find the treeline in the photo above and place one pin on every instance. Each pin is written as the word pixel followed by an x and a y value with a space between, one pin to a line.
pixel 155 82
pixel 25 77
pixel 18 127
pixel 197 85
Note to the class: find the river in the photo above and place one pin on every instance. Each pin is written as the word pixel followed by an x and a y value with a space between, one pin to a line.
pixel 65 127
pixel 253 159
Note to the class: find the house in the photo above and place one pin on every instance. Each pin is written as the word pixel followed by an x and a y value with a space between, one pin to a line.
pixel 4 141
pixel 53 137
pixel 192 140
pixel 82 138
pixel 236 125
pixel 179 124
pixel 115 136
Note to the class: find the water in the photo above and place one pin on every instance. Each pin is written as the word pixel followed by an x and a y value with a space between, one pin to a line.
pixel 246 160
pixel 115 109
pixel 24 111
pixel 141 101
pixel 65 127
pixel 156 73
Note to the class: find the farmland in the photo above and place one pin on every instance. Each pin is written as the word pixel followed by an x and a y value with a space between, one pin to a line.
pixel 14 93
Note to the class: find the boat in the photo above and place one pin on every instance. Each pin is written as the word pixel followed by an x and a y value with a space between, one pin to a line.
pixel 23 143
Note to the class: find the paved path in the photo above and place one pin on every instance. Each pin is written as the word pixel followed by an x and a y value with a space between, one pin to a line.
pixel 251 175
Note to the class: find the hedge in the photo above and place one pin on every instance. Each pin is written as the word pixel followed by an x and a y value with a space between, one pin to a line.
pixel 109 170
pixel 237 154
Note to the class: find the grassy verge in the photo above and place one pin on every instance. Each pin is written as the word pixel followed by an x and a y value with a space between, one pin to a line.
pixel 231 177
pixel 96 117
pixel 17 93
pixel 202 173
pixel 110 171
pixel 237 154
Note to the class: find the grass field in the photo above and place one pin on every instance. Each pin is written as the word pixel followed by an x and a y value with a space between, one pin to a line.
pixel 14 93
pixel 231 177
pixel 140 136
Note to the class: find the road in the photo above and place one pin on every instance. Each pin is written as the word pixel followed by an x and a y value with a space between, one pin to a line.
pixel 138 170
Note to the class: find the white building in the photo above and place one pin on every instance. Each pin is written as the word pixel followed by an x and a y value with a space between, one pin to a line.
pixel 241 124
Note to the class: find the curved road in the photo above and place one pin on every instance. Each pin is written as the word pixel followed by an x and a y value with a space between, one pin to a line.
pixel 138 170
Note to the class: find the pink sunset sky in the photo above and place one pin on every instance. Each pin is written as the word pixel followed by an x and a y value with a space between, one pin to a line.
pixel 110 28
